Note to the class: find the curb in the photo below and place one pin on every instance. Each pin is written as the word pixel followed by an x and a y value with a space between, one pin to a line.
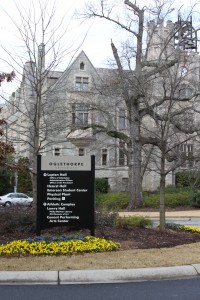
pixel 120 275
pixel 98 276
pixel 27 277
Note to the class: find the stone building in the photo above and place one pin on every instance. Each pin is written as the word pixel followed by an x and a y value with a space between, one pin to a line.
pixel 176 41
pixel 79 107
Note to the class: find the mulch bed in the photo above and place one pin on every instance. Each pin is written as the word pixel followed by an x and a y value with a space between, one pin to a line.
pixel 145 238
pixel 149 238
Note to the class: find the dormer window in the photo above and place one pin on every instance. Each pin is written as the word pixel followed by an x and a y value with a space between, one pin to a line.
pixel 82 66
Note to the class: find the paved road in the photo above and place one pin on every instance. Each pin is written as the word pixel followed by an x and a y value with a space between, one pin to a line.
pixel 187 289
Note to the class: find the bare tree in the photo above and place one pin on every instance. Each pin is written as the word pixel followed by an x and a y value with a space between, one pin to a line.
pixel 6 148
pixel 145 66
pixel 35 110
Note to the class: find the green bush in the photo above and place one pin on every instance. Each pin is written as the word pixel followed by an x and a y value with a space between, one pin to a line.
pixel 24 184
pixel 195 200
pixel 102 185
pixel 132 222
pixel 187 179
pixel 171 189
pixel 152 200
pixel 5 181
pixel 112 201
pixel 118 201
pixel 181 198
pixel 178 199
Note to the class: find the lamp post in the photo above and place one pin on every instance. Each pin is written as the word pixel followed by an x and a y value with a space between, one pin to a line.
pixel 15 181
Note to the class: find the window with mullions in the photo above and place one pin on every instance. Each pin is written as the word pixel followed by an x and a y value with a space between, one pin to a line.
pixel 57 151
pixel 184 92
pixel 82 83
pixel 81 151
pixel 190 156
pixel 186 153
pixel 183 154
pixel 104 157
pixel 80 114
pixel 122 119
pixel 122 160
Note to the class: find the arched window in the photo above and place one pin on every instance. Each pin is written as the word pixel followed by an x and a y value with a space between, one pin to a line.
pixel 82 66
pixel 184 91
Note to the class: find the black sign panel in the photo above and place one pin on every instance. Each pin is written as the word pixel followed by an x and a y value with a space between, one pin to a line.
pixel 65 192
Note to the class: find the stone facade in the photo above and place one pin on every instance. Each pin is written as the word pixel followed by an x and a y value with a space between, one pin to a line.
pixel 73 101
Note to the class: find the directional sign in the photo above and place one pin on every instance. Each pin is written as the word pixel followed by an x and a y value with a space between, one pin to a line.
pixel 65 192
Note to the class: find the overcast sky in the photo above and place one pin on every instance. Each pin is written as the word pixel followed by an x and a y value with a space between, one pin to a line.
pixel 97 33
pixel 92 36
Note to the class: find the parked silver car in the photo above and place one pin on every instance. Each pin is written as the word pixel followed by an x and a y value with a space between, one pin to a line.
pixel 16 199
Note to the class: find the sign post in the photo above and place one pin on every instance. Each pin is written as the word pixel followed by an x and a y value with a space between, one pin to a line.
pixel 65 192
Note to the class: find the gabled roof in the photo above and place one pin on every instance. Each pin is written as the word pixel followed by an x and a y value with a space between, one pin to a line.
pixel 82 56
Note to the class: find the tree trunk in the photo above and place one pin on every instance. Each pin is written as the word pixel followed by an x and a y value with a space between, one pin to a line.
pixel 34 182
pixel 162 193
pixel 36 144
pixel 135 159
pixel 135 187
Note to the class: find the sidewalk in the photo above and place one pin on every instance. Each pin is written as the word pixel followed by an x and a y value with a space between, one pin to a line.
pixel 169 214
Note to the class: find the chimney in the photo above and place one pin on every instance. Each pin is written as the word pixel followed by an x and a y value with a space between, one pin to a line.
pixel 41 57
pixel 29 74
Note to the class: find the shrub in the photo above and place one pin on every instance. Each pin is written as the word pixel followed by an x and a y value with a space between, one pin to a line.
pixel 5 184
pixel 171 189
pixel 180 198
pixel 152 200
pixel 132 222
pixel 182 179
pixel 17 219
pixel 187 179
pixel 195 200
pixel 118 201
pixel 102 185
pixel 105 219
pixel 24 184
pixel 112 201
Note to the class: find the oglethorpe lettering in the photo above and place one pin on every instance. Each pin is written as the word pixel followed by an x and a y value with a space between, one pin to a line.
pixel 76 164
